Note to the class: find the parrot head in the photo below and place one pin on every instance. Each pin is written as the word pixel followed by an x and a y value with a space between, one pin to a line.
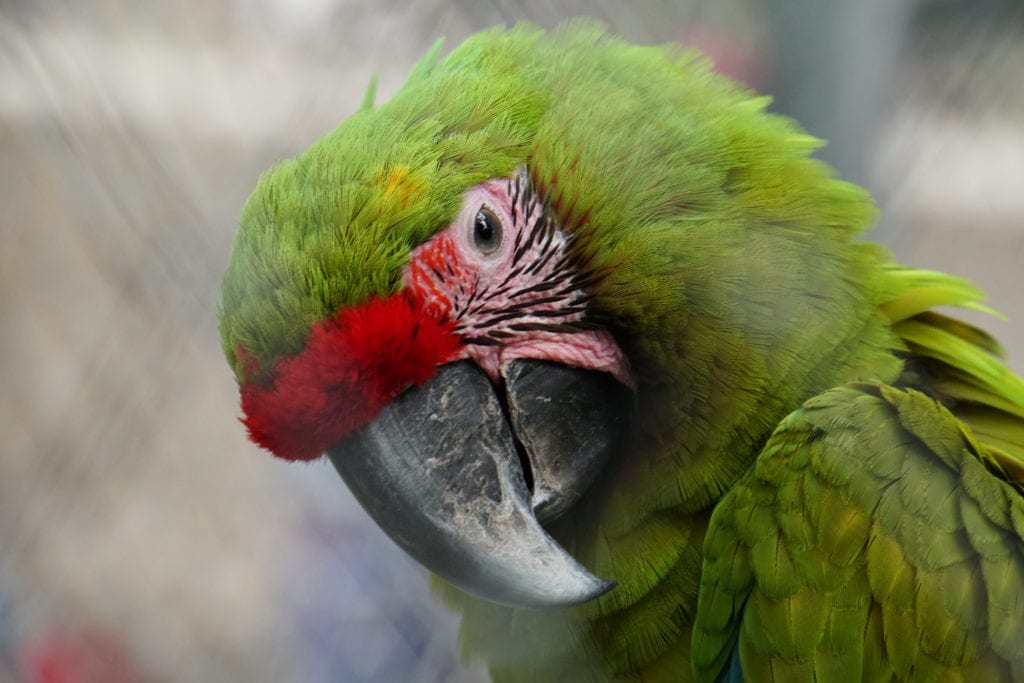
pixel 472 298
pixel 442 404
pixel 404 298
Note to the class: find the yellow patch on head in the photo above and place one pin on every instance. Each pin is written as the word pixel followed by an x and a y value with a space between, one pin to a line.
pixel 401 186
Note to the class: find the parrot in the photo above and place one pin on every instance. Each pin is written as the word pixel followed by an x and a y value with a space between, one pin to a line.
pixel 593 336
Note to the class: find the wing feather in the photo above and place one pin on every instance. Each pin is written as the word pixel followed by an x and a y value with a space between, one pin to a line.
pixel 872 540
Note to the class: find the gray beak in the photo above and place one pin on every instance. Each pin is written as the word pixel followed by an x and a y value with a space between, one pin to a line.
pixel 440 472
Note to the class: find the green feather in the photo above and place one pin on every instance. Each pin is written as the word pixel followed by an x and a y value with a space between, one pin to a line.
pixel 370 96
pixel 732 277
pixel 933 585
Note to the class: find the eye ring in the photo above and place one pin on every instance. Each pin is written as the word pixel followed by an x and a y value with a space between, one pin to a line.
pixel 487 231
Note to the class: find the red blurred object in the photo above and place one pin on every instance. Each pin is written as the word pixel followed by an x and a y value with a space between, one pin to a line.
pixel 78 655
pixel 740 57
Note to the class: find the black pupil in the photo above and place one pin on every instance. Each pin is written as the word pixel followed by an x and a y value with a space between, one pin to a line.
pixel 486 231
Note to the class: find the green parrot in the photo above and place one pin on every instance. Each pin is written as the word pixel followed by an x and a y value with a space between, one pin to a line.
pixel 591 336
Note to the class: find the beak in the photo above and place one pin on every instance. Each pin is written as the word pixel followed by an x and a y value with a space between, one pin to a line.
pixel 440 472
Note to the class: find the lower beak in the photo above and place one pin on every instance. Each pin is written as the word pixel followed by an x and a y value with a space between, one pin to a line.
pixel 440 472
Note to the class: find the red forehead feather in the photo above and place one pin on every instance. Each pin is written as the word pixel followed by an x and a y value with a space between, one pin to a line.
pixel 352 366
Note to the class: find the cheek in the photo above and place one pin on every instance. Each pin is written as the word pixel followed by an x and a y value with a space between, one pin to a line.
pixel 590 350
pixel 447 270
pixel 487 358
pixel 430 268
pixel 520 302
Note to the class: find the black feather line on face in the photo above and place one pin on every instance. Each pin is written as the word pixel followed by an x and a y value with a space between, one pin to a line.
pixel 545 289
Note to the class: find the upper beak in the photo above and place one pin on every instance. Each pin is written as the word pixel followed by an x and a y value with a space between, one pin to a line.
pixel 440 472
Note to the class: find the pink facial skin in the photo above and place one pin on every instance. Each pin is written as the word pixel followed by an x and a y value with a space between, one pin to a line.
pixel 520 297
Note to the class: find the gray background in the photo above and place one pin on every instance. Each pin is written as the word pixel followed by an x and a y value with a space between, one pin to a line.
pixel 141 536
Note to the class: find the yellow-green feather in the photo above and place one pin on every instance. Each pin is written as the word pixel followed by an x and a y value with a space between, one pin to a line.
pixel 959 363
pixel 913 555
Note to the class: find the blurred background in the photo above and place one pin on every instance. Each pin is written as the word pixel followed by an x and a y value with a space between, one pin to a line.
pixel 141 537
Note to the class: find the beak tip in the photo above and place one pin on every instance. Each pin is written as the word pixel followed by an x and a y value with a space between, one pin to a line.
pixel 603 587
pixel 588 588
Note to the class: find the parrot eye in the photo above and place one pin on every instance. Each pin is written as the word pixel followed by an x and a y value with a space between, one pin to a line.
pixel 487 231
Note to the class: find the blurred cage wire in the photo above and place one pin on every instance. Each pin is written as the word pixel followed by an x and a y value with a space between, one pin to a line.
pixel 141 537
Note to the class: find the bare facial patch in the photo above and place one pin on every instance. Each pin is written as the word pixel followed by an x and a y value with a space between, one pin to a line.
pixel 506 274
